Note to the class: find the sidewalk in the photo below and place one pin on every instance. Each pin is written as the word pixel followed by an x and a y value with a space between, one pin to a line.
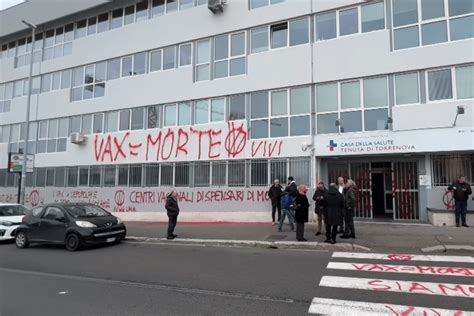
pixel 371 236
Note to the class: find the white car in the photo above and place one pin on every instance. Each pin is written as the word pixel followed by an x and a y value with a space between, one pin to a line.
pixel 10 218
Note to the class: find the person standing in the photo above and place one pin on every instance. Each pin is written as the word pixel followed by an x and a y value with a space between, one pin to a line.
pixel 341 186
pixel 291 187
pixel 301 212
pixel 461 191
pixel 286 203
pixel 333 204
pixel 318 197
pixel 172 210
pixel 274 194
pixel 350 198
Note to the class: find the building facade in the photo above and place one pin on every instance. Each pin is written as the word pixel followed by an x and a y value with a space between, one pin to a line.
pixel 133 98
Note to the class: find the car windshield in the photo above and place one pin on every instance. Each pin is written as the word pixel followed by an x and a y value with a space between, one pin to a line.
pixel 12 210
pixel 86 211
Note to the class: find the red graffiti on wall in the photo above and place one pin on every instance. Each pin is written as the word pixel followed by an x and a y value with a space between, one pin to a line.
pixel 166 144
pixel 448 200
pixel 34 198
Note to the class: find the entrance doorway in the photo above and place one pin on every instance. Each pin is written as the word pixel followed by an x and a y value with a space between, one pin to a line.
pixel 386 190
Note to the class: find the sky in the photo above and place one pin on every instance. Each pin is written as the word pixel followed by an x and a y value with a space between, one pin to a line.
pixel 5 4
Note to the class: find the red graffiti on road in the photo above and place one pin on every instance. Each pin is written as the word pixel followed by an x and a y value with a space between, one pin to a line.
pixel 396 257
pixel 415 269
pixel 411 310
pixel 422 288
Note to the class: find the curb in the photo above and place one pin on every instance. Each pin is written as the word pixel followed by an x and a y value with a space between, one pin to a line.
pixel 445 248
pixel 250 243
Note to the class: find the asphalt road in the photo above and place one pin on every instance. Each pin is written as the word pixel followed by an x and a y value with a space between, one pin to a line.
pixel 150 279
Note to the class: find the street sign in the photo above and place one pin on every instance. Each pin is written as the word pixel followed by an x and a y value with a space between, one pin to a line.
pixel 15 162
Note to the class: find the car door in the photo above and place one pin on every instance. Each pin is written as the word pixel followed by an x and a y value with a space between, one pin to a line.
pixel 53 225
pixel 33 221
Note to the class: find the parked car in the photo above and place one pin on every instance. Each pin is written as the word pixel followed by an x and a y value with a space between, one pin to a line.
pixel 10 218
pixel 74 225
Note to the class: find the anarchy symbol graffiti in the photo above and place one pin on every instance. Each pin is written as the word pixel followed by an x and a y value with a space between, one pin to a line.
pixel 120 198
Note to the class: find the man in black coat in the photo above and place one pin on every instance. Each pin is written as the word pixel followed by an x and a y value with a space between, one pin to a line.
pixel 172 210
pixel 350 200
pixel 301 212
pixel 291 187
pixel 274 194
pixel 461 191
pixel 318 197
pixel 334 203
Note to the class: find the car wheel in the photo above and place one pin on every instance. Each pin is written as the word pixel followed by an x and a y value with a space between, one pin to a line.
pixel 21 240
pixel 73 242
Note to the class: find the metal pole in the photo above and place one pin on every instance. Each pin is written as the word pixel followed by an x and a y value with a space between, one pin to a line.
pixel 27 121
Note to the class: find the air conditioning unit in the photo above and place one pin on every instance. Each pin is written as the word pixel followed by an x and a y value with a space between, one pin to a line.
pixel 78 139
pixel 216 6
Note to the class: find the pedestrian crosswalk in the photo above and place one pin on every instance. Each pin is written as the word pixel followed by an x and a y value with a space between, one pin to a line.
pixel 380 273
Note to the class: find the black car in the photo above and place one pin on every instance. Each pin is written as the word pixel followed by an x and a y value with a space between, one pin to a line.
pixel 74 225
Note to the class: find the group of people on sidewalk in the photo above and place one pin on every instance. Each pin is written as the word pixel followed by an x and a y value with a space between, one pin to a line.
pixel 335 206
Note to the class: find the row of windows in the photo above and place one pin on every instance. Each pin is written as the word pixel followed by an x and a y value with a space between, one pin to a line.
pixel 427 22
pixel 357 105
pixel 57 42
pixel 259 172
pixel 446 169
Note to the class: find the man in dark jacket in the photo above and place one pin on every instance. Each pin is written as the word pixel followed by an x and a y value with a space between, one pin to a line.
pixel 274 194
pixel 461 191
pixel 318 197
pixel 291 187
pixel 172 210
pixel 333 205
pixel 301 212
pixel 349 207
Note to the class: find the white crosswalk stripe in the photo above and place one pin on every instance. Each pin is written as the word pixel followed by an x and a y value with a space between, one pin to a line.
pixel 399 264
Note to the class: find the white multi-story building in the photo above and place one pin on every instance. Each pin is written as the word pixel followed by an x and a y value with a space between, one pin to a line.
pixel 132 98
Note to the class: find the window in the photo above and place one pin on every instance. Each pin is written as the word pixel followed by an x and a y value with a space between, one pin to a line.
pixel 88 82
pixel 92 25
pixel 406 37
pixel 375 120
pixel 122 175
pixel 201 113
pixel 299 169
pixel 405 12
pixel 66 79
pixel 299 32
pixel 124 123
pixel 259 104
pixel 254 4
pixel 348 22
pixel 185 4
pixel 167 175
pixel 440 85
pixel 158 8
pixel 460 7
pixel 432 9
pixel 236 173
pixel 375 92
pixel 72 176
pixel 114 69
pixel 169 57
pixel 170 115
pixel 203 57
pixel 279 35
pixel 60 177
pixel 50 177
pixel 152 175
pixel 95 176
pixel 56 81
pixel 181 175
pixel 109 176
pixel 117 19
pixel 300 105
pixel 447 168
pixel 461 28
pixel 350 95
pixel 228 50
pixel 219 173
pixel 139 63
pixel 202 174
pixel 259 39
pixel 98 123
pixel 185 54
pixel 406 89
pixel 155 60
pixel 111 122
pixel 373 17
pixel 103 24
pixel 141 11
pixel 184 114
pixel 351 121
pixel 218 110
pixel 171 6
pixel 237 107
pixel 465 82
pixel 326 26
pixel 127 66
pixel 327 97
pixel 153 117
pixel 129 15
pixel 433 33
pixel 259 172
pixel 87 124
pixel 137 119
